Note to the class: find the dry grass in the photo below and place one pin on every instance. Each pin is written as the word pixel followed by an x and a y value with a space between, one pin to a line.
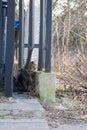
pixel 73 73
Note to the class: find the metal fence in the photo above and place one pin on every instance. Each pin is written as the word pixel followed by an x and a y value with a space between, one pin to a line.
pixel 7 38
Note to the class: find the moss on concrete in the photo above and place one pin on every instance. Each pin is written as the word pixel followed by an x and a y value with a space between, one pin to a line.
pixel 46 86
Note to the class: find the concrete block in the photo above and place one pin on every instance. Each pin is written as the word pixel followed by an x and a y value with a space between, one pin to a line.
pixel 24 124
pixel 46 83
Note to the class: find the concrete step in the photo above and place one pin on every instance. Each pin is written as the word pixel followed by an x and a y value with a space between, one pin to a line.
pixel 24 124
pixel 23 114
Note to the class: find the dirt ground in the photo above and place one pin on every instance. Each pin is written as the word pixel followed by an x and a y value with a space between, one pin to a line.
pixel 66 110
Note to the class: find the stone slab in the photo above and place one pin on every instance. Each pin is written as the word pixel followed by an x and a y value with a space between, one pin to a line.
pixel 22 105
pixel 34 124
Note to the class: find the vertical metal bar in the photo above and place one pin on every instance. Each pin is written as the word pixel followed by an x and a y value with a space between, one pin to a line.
pixel 4 42
pixel 10 49
pixel 1 42
pixel 31 31
pixel 44 32
pixel 21 33
pixel 4 17
pixel 40 61
pixel 48 36
pixel 31 23
pixel 42 35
